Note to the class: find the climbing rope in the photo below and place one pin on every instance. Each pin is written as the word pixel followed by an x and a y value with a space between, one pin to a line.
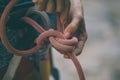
pixel 50 34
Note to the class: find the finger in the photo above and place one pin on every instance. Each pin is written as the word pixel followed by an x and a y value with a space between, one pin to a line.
pixel 67 35
pixel 72 27
pixel 60 4
pixel 50 8
pixel 65 13
pixel 60 47
pixel 76 14
pixel 79 48
pixel 40 4
pixel 70 42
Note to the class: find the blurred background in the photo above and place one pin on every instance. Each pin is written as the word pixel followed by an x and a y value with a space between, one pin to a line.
pixel 100 58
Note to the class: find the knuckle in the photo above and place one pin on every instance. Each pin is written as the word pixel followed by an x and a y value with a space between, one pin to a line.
pixel 78 15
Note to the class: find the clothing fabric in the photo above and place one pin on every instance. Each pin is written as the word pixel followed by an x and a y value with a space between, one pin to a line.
pixel 5 56
pixel 20 5
pixel 13 25
pixel 26 42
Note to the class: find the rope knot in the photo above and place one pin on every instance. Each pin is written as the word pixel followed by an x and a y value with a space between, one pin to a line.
pixel 57 40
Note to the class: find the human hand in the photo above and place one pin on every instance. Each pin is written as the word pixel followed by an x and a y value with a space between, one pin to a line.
pixel 71 15
pixel 76 26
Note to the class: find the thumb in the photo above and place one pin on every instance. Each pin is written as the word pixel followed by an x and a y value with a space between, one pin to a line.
pixel 67 35
pixel 71 28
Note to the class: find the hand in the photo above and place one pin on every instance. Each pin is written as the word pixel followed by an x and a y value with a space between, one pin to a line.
pixel 71 15
pixel 76 26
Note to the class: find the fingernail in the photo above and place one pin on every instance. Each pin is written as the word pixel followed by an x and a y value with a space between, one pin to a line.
pixel 67 35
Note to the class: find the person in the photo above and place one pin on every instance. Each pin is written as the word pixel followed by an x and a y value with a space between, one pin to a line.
pixel 70 13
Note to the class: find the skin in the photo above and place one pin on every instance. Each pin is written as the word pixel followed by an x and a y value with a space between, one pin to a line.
pixel 71 18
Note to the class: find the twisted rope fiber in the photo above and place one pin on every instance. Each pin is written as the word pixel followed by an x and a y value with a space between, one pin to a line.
pixel 50 34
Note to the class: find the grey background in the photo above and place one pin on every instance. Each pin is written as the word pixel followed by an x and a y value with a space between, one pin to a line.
pixel 101 54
